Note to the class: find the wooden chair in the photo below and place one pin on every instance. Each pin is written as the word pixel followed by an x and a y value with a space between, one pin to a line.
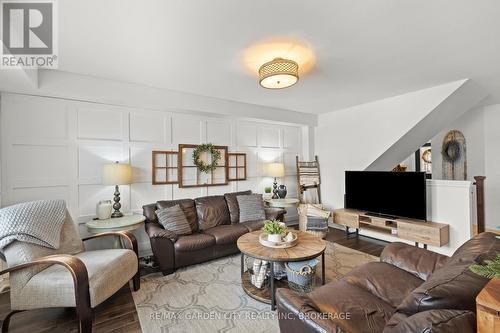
pixel 41 277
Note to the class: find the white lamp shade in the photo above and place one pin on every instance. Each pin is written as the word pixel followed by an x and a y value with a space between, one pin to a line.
pixel 275 170
pixel 117 174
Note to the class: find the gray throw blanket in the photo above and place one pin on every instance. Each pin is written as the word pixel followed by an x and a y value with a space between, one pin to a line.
pixel 36 222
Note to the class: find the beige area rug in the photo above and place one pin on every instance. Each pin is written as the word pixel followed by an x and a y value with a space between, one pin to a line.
pixel 208 297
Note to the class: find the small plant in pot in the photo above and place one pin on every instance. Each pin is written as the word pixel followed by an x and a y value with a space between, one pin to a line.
pixel 268 189
pixel 274 230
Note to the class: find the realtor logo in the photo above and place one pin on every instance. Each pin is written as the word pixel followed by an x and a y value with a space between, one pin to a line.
pixel 28 34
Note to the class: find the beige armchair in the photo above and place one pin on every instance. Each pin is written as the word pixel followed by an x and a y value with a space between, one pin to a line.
pixel 41 277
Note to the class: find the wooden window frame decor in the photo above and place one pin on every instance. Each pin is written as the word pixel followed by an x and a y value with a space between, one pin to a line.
pixel 165 167
pixel 236 166
pixel 181 167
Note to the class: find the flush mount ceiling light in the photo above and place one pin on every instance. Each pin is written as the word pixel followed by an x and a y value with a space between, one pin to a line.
pixel 279 73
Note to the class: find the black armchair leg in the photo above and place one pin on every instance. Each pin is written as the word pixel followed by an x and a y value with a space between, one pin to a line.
pixel 136 281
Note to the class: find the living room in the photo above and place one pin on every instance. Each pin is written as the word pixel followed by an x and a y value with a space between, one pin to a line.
pixel 253 166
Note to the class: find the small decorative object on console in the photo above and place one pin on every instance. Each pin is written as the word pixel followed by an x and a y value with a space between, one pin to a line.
pixel 282 191
pixel 104 209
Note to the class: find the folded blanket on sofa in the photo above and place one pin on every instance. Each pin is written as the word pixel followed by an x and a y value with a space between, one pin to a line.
pixel 36 222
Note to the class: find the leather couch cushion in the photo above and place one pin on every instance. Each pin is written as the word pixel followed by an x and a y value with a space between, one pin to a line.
pixel 253 225
pixel 194 242
pixel 385 281
pixel 212 211
pixel 454 286
pixel 436 321
pixel 226 234
pixel 367 313
pixel 187 206
pixel 232 205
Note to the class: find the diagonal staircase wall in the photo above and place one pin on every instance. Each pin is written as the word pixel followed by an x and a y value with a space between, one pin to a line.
pixel 380 134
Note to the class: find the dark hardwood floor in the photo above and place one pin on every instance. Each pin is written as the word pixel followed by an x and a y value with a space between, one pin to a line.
pixel 118 313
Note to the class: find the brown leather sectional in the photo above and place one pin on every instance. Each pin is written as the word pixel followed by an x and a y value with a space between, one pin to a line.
pixel 409 290
pixel 215 226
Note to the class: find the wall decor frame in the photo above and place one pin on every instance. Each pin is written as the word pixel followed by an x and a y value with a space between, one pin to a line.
pixel 237 166
pixel 164 167
pixel 423 160
pixel 190 176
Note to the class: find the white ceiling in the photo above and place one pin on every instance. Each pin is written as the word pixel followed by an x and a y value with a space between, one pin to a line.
pixel 365 50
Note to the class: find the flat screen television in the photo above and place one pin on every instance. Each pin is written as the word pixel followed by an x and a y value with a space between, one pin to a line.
pixel 391 194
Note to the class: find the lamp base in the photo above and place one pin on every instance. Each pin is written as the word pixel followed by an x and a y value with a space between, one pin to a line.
pixel 116 214
pixel 117 205
pixel 275 189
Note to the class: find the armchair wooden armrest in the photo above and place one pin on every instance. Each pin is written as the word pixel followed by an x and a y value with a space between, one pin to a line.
pixel 80 279
pixel 125 235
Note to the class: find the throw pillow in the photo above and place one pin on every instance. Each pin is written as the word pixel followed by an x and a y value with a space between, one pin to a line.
pixel 173 219
pixel 251 207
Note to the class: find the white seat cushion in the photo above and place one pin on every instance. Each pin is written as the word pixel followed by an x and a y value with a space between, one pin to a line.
pixel 108 271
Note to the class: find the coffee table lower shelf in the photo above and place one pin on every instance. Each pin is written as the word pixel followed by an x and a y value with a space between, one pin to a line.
pixel 262 295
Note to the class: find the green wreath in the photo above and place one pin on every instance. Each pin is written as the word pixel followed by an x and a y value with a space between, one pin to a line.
pixel 214 153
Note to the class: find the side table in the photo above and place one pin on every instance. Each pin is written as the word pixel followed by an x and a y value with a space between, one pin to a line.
pixel 488 308
pixel 126 222
pixel 282 203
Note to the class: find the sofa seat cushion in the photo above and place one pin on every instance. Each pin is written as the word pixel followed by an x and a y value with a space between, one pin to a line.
pixel 367 312
pixel 232 204
pixel 226 234
pixel 212 211
pixel 108 271
pixel 454 286
pixel 187 206
pixel 253 225
pixel 194 242
pixel 385 281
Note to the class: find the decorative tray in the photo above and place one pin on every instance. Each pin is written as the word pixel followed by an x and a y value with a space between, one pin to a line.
pixel 278 245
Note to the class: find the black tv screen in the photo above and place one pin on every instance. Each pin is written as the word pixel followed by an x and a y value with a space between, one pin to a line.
pixel 399 194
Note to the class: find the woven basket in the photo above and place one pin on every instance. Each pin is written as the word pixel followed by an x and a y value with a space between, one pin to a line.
pixel 301 275
pixel 302 210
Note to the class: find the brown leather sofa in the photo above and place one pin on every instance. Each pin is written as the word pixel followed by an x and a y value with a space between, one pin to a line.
pixel 409 290
pixel 215 225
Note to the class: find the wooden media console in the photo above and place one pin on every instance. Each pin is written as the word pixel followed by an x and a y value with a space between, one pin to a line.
pixel 418 231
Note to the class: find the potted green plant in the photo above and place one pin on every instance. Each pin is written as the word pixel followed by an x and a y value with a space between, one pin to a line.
pixel 274 230
pixel 490 269
pixel 268 189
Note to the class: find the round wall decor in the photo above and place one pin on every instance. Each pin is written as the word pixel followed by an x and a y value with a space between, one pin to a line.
pixel 214 154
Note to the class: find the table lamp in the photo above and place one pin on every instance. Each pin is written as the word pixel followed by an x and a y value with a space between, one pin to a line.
pixel 275 170
pixel 117 174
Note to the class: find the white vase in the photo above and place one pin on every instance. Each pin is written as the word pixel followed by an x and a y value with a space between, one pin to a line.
pixel 104 209
pixel 276 238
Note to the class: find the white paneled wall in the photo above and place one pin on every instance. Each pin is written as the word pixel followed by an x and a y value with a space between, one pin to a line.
pixel 55 148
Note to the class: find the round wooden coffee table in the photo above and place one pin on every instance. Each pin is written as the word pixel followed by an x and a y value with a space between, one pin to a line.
pixel 308 247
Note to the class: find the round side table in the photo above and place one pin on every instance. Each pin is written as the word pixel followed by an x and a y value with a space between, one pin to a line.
pixel 126 222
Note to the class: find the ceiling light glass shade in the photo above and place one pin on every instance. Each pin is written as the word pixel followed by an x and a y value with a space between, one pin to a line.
pixel 279 73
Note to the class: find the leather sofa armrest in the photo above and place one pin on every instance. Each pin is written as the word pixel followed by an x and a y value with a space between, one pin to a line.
pixel 275 213
pixel 417 261
pixel 296 313
pixel 154 230
pixel 436 321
